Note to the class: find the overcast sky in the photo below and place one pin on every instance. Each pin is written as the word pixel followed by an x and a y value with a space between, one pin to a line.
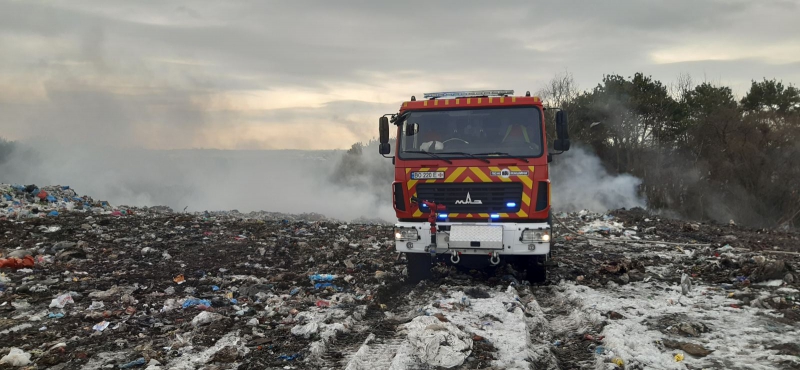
pixel 317 74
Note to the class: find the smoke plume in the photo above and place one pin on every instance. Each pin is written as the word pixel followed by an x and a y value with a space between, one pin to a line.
pixel 579 181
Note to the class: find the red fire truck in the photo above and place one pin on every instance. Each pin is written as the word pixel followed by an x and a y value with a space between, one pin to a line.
pixel 471 184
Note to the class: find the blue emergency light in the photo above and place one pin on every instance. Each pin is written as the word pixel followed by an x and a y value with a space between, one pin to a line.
pixel 494 216
pixel 511 204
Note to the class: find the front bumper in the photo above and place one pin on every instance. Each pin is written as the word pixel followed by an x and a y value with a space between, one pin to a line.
pixel 511 243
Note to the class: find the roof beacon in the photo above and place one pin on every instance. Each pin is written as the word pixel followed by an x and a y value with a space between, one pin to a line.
pixel 459 94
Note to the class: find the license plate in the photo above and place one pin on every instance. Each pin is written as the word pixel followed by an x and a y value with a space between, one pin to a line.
pixel 427 175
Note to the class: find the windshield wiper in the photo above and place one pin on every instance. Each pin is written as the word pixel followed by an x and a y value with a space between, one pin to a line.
pixel 505 154
pixel 428 153
pixel 468 155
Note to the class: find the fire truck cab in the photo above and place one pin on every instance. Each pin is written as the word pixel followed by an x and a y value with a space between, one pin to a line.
pixel 471 183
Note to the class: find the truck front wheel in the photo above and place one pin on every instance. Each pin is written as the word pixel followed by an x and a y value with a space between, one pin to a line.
pixel 419 267
pixel 536 270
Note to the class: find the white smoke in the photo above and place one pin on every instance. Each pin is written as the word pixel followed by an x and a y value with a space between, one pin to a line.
pixel 579 181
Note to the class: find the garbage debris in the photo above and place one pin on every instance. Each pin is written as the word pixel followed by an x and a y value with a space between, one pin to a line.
pixel 191 290
pixel 16 357
pixel 438 343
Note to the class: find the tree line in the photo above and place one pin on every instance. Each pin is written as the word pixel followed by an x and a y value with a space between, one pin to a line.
pixel 701 152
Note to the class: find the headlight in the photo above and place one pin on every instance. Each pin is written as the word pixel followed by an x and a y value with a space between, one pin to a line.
pixel 405 234
pixel 541 236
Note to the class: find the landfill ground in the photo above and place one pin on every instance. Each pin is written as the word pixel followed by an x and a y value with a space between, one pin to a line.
pixel 150 288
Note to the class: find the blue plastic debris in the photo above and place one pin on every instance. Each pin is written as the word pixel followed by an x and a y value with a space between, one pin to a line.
pixel 56 315
pixel 53 213
pixel 135 363
pixel 51 199
pixel 326 285
pixel 557 343
pixel 289 358
pixel 8 197
pixel 194 302
pixel 599 350
pixel 65 187
pixel 234 301
pixel 214 288
pixel 294 291
pixel 322 277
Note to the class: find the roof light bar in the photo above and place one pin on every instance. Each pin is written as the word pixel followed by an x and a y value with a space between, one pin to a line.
pixel 468 93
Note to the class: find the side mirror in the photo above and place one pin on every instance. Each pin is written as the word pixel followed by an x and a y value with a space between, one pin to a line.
pixel 562 130
pixel 562 145
pixel 412 129
pixel 383 130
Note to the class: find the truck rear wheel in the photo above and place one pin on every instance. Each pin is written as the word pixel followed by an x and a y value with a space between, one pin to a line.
pixel 419 267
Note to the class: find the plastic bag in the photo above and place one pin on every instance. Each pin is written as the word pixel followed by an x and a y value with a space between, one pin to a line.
pixel 16 357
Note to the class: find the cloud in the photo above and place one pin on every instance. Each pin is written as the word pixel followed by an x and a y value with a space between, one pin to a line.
pixel 251 74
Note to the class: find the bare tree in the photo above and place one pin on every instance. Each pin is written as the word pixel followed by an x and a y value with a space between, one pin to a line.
pixel 560 90
pixel 682 85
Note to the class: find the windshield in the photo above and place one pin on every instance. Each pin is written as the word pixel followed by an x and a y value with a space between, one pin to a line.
pixel 487 132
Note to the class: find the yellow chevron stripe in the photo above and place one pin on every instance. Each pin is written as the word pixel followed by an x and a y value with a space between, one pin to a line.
pixel 477 171
pixel 408 170
pixel 425 103
pixel 504 215
pixel 526 199
pixel 469 215
pixel 411 184
pixel 452 215
pixel 417 213
pixel 525 179
pixel 468 179
pixel 497 169
pixel 484 215
pixel 522 213
pixel 453 176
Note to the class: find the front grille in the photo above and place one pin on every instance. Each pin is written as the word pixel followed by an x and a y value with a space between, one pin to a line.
pixel 492 196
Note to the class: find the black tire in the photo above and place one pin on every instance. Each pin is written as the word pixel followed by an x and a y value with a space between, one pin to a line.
pixel 536 272
pixel 419 267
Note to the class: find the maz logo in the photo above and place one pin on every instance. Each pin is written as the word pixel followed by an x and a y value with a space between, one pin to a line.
pixel 469 200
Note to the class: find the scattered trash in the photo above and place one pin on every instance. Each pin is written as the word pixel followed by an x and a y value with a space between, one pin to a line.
pixel 62 301
pixel 678 357
pixel 16 357
pixel 100 326
pixel 195 302
pixel 138 362
pixel 438 343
